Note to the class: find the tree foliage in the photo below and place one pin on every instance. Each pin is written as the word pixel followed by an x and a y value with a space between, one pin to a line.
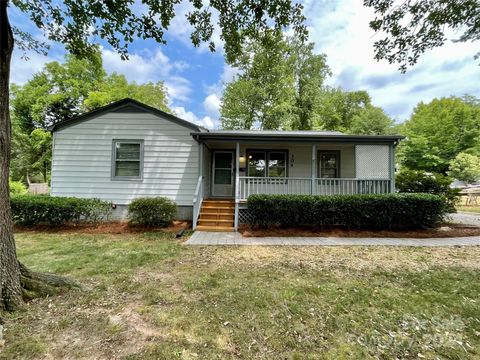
pixel 372 121
pixel 438 131
pixel 278 87
pixel 412 27
pixel 465 167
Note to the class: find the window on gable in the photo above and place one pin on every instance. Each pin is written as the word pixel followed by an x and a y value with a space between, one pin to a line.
pixel 329 164
pixel 127 159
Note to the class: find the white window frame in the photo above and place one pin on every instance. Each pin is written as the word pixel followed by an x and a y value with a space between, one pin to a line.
pixel 114 160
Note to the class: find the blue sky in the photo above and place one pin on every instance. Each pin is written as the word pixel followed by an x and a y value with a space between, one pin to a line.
pixel 195 77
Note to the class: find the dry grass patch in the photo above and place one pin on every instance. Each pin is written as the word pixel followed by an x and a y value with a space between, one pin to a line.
pixel 149 297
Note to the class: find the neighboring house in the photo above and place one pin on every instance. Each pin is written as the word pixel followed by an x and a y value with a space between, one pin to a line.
pixel 128 150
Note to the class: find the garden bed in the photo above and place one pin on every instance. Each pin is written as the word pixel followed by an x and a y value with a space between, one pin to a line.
pixel 305 231
pixel 112 227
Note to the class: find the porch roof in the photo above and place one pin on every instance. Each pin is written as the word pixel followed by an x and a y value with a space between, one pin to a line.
pixel 294 136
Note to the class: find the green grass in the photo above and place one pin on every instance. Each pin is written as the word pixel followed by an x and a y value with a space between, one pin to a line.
pixel 471 209
pixel 148 297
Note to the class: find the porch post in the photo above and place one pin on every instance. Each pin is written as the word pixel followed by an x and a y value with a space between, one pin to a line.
pixel 392 168
pixel 314 168
pixel 237 183
pixel 200 159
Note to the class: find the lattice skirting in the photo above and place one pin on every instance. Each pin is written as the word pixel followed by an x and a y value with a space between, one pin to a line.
pixel 244 216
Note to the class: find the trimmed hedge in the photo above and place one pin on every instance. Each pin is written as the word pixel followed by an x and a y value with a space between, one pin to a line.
pixel 386 211
pixel 31 210
pixel 156 211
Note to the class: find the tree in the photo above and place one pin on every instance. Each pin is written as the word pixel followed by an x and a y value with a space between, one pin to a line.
pixel 465 167
pixel 412 27
pixel 439 131
pixel 76 24
pixel 338 108
pixel 58 91
pixel 372 121
pixel 278 87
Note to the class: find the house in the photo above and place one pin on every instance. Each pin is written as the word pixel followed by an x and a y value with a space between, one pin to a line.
pixel 127 150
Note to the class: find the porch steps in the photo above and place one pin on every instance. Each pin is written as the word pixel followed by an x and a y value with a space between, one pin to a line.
pixel 216 215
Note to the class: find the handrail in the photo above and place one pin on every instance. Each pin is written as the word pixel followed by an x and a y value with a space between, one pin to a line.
pixel 249 185
pixel 197 201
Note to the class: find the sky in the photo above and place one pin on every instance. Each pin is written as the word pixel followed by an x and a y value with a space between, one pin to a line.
pixel 195 77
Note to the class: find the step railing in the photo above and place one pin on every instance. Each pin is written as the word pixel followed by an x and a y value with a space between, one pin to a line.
pixel 307 186
pixel 197 201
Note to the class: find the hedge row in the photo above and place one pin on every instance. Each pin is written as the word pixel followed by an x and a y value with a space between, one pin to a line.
pixel 386 211
pixel 30 210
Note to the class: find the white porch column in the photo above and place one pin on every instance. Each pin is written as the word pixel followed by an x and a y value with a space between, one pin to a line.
pixel 392 168
pixel 237 183
pixel 314 168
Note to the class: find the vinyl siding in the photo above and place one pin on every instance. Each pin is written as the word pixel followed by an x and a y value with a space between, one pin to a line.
pixel 82 159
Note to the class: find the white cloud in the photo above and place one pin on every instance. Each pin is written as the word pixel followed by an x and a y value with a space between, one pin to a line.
pixel 23 69
pixel 212 105
pixel 182 113
pixel 341 31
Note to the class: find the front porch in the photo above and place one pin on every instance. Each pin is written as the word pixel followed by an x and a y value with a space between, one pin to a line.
pixel 235 168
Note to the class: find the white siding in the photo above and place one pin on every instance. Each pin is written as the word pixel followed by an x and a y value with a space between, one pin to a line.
pixel 82 159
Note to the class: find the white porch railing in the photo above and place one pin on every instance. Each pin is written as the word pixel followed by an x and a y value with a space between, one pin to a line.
pixel 308 186
pixel 197 201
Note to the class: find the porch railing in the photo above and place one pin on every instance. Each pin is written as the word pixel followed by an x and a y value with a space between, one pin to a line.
pixel 308 186
pixel 197 201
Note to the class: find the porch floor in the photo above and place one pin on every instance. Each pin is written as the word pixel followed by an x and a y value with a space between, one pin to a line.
pixel 234 238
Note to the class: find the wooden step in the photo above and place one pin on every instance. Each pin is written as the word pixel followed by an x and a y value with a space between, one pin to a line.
pixel 215 222
pixel 218 210
pixel 219 206
pixel 214 228
pixel 216 215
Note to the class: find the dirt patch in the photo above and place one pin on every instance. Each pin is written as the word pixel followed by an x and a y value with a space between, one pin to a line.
pixel 113 227
pixel 441 232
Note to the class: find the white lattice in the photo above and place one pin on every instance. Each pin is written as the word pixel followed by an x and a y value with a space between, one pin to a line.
pixel 244 216
pixel 372 161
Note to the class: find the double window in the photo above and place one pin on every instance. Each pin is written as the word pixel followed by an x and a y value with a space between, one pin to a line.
pixel 328 164
pixel 127 160
pixel 267 163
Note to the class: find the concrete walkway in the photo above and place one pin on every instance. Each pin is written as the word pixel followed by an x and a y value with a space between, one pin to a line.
pixel 231 238
pixel 465 218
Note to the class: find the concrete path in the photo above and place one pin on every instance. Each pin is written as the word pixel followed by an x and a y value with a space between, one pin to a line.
pixel 231 238
pixel 465 218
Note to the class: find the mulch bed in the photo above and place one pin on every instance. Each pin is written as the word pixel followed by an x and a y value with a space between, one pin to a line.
pixel 114 227
pixel 441 232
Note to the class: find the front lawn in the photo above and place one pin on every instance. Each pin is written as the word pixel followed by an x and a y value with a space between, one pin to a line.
pixel 148 297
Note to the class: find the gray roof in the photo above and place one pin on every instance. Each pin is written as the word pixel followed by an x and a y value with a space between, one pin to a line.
pixel 298 136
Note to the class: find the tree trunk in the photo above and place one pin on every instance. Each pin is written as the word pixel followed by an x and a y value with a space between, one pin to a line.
pixel 10 285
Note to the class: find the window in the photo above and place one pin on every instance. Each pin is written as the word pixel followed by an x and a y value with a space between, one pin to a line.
pixel 329 164
pixel 277 164
pixel 127 159
pixel 268 163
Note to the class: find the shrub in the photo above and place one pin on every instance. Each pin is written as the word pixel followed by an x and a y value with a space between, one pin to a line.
pixel 157 211
pixel 17 188
pixel 417 181
pixel 30 210
pixel 386 211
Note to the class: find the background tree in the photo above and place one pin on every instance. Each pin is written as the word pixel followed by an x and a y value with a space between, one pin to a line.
pixel 372 121
pixel 76 24
pixel 465 167
pixel 279 85
pixel 338 108
pixel 412 27
pixel 438 131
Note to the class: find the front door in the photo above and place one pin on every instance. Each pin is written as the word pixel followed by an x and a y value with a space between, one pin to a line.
pixel 223 170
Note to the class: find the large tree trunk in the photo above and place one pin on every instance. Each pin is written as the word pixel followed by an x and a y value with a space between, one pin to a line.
pixel 16 281
pixel 10 285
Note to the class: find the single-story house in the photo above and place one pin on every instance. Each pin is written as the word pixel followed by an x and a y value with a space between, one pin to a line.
pixel 128 150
